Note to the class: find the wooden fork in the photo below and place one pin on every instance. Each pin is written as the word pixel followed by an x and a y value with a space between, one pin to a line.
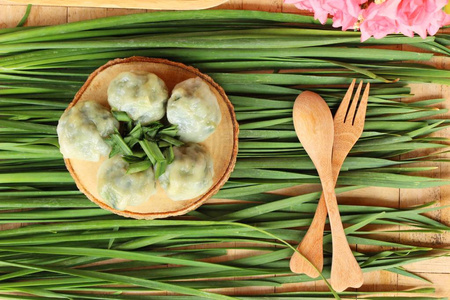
pixel 348 127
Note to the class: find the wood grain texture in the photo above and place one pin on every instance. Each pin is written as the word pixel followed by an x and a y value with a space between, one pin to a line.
pixel 437 270
pixel 146 4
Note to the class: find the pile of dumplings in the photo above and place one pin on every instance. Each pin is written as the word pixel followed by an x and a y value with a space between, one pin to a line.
pixel 192 106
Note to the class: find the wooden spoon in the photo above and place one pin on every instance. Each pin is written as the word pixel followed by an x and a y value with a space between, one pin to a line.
pixel 314 126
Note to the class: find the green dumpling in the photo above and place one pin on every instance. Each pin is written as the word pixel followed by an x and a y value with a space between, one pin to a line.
pixel 190 174
pixel 120 189
pixel 81 130
pixel 142 96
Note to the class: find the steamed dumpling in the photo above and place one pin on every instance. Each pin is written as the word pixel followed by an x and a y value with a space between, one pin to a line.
pixel 190 174
pixel 120 189
pixel 81 130
pixel 194 108
pixel 142 95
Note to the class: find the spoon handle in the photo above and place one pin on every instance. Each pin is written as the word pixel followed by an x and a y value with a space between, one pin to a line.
pixel 345 270
pixel 311 246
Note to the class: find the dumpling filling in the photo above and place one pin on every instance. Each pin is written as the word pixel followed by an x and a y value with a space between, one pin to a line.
pixel 142 96
pixel 190 174
pixel 194 108
pixel 81 130
pixel 120 189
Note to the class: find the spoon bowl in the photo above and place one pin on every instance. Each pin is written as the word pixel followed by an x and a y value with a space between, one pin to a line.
pixel 314 126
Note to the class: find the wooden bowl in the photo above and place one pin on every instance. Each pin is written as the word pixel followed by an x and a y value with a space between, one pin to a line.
pixel 222 144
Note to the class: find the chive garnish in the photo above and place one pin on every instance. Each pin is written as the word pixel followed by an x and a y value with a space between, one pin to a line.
pixel 139 166
pixel 121 116
pixel 143 146
pixel 132 159
pixel 171 140
pixel 148 149
pixel 131 141
pixel 169 154
pixel 137 131
pixel 120 144
pixel 160 168
pixel 171 130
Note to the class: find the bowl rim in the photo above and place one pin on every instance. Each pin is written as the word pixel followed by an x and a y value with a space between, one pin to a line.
pixel 218 184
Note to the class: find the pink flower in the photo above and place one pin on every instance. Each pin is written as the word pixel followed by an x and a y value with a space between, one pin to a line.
pixel 346 12
pixel 421 16
pixel 379 20
pixel 440 19
pixel 320 8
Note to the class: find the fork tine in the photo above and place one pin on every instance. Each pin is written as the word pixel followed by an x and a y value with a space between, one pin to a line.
pixel 343 107
pixel 361 113
pixel 351 112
